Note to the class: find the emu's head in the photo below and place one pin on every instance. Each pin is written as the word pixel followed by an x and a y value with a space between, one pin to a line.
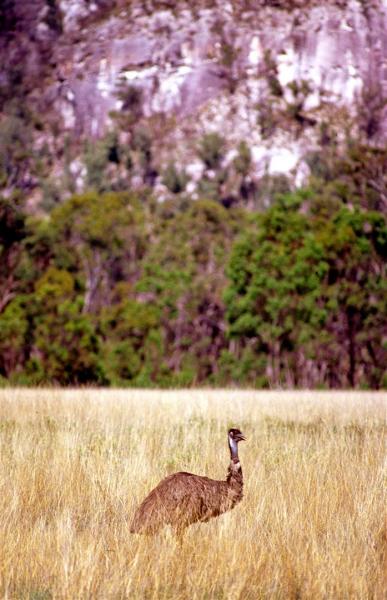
pixel 234 437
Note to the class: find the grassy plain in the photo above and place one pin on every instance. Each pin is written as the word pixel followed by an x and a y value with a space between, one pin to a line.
pixel 74 464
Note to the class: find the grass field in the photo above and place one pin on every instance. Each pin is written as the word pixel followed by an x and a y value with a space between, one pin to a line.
pixel 74 464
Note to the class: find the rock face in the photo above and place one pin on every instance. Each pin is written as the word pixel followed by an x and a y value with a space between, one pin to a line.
pixel 259 71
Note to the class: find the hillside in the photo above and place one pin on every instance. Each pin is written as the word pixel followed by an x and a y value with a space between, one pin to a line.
pixel 283 77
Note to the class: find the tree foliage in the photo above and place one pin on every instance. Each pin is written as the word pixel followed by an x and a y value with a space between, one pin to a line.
pixel 309 293
pixel 114 288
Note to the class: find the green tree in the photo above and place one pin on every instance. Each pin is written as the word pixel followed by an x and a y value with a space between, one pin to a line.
pixel 15 151
pixel 65 347
pixel 132 345
pixel 211 150
pixel 356 174
pixel 355 246
pixel 108 164
pixel 102 237
pixel 309 293
pixel 184 277
pixel 12 235
pixel 174 180
pixel 14 327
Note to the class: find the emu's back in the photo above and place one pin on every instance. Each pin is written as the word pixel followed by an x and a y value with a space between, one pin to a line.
pixel 180 500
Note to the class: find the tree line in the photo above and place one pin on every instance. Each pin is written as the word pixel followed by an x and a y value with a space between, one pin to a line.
pixel 116 288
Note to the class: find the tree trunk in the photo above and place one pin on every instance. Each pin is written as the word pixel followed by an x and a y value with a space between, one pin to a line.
pixel 351 346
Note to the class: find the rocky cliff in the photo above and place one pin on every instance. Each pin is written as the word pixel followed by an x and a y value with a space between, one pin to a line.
pixel 273 73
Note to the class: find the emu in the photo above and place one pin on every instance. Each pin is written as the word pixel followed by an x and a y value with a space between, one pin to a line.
pixel 184 498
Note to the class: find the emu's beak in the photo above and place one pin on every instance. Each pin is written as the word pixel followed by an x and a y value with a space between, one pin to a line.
pixel 241 438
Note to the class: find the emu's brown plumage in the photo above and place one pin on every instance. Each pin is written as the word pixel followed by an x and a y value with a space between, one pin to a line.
pixel 183 498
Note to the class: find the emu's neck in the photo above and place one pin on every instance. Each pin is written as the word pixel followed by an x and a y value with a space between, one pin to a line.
pixel 233 448
pixel 234 482
pixel 234 475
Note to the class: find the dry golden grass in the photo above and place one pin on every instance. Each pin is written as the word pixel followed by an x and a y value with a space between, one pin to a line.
pixel 74 464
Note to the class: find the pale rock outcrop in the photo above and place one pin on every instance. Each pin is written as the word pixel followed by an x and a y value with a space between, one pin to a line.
pixel 210 68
